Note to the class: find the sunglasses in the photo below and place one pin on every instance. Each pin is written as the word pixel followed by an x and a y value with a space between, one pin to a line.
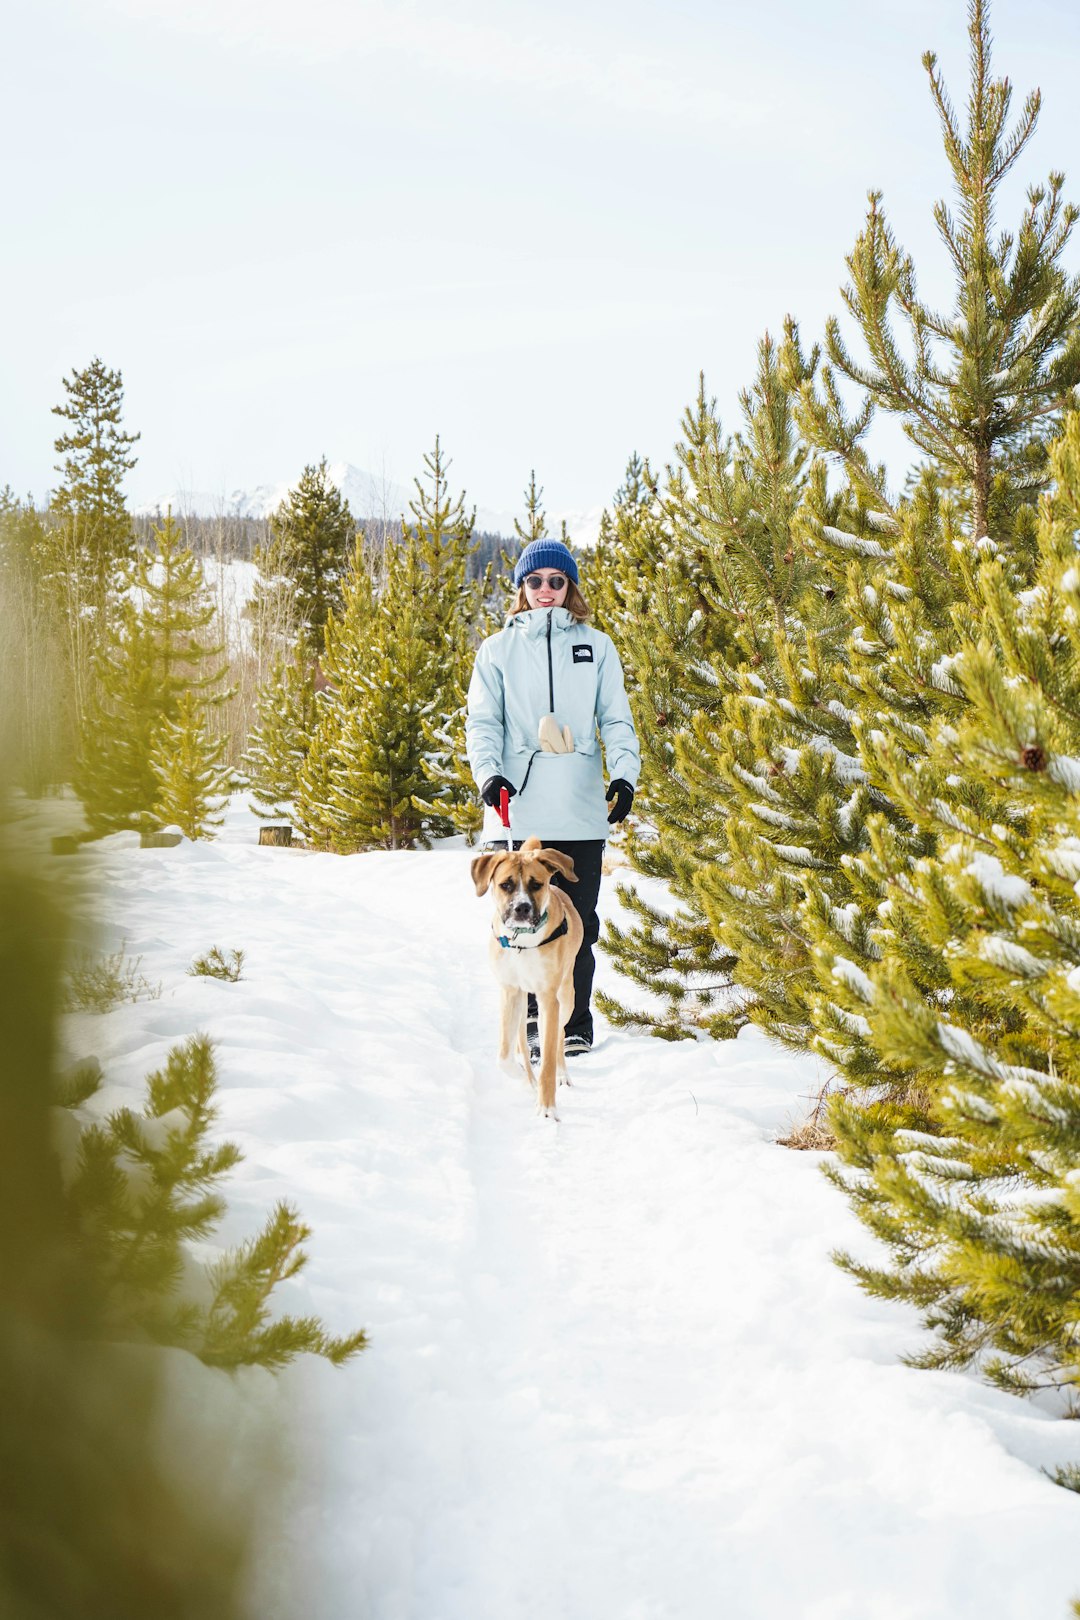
pixel 556 581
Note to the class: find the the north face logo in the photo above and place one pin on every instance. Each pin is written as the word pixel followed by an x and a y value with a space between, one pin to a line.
pixel 583 655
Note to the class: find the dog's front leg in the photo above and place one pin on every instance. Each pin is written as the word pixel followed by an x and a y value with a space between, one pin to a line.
pixel 512 1030
pixel 550 1032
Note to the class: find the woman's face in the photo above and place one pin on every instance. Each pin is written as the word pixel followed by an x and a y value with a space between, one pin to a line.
pixel 540 588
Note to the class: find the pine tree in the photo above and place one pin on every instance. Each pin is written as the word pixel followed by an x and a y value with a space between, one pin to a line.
pixel 114 774
pixel 443 531
pixel 535 525
pixel 799 734
pixel 625 559
pixel 930 971
pixel 977 1201
pixel 157 650
pixel 979 395
pixel 376 766
pixel 314 810
pixel 180 615
pixel 312 539
pixel 192 780
pixel 346 652
pixel 278 743
pixel 89 502
pixel 448 802
pixel 649 574
pixel 984 379
pixel 766 754
pixel 395 665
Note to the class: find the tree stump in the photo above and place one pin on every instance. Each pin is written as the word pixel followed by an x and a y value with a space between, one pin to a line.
pixel 276 835
pixel 159 840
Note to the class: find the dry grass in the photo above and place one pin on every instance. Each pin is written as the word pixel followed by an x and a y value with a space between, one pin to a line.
pixel 812 1134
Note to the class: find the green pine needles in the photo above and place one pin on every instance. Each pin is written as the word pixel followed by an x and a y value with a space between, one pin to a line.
pixel 147 755
pixel 978 1202
pixel 219 964
pixel 860 717
pixel 118 1501
pixel 145 1187
pixel 389 718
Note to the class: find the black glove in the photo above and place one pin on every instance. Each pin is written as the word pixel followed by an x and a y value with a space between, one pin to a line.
pixel 620 796
pixel 492 789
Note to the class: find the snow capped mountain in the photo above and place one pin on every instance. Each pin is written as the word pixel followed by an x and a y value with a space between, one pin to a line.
pixel 368 496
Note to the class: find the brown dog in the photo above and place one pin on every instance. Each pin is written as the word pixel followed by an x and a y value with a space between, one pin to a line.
pixel 534 939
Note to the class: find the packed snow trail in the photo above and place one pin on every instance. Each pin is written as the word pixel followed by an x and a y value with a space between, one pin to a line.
pixel 613 1373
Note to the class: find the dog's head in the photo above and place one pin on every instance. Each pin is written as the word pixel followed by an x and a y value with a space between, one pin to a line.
pixel 520 880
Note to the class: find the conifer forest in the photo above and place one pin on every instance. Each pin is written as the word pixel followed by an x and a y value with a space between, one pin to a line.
pixel 856 839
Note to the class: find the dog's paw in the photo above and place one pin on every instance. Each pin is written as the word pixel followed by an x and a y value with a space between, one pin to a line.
pixel 564 1079
pixel 546 1113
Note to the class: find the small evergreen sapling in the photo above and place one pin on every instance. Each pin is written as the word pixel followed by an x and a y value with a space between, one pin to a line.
pixel 109 1512
pixel 145 1187
pixel 218 964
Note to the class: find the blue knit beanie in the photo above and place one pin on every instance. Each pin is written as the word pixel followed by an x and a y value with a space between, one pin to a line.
pixel 545 554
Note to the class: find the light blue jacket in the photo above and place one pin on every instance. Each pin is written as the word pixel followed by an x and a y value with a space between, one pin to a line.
pixel 545 662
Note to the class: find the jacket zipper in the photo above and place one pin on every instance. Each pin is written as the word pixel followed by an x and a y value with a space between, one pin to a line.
pixel 551 676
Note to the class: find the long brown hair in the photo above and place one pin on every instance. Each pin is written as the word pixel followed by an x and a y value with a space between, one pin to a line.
pixel 575 602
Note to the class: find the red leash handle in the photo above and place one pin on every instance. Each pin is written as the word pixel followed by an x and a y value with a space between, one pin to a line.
pixel 504 814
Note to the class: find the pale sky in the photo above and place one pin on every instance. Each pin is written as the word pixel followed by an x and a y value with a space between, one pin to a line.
pixel 311 226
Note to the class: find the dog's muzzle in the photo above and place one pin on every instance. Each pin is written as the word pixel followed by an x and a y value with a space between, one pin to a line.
pixel 521 912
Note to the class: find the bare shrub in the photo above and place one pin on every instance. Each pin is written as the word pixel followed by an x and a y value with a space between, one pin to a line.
pixel 99 983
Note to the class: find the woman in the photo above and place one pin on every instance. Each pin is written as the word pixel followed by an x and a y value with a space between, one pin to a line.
pixel 546 691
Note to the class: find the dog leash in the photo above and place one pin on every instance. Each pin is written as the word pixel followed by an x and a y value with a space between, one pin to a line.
pixel 504 817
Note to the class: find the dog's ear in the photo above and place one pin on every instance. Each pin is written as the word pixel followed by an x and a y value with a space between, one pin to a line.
pixel 482 868
pixel 556 861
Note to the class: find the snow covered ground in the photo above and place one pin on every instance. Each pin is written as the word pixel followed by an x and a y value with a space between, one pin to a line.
pixel 613 1374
